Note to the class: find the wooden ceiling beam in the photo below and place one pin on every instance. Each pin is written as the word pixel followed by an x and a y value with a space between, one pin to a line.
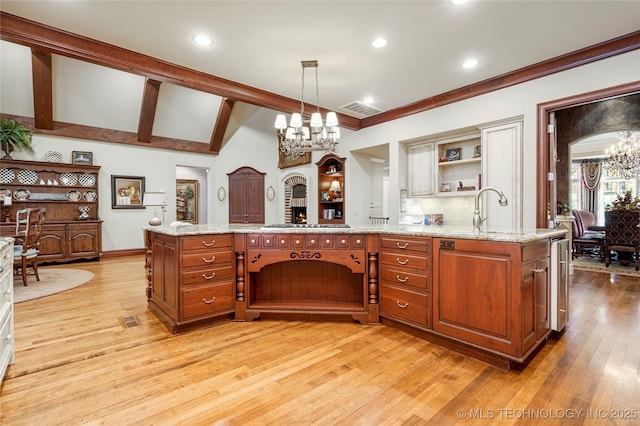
pixel 217 136
pixel 79 131
pixel 148 109
pixel 23 31
pixel 42 76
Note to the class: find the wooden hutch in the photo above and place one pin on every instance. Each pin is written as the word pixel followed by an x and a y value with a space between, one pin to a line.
pixel 62 189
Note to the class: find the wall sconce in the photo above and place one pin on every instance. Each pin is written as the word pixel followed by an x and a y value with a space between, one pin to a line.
pixel 155 199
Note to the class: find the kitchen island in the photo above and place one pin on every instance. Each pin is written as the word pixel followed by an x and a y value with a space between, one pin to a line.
pixel 484 294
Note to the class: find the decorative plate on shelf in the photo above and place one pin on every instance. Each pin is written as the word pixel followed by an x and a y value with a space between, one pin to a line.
pixel 6 175
pixel 5 192
pixel 87 179
pixel 68 179
pixel 74 195
pixel 53 157
pixel 28 177
pixel 90 196
pixel 21 194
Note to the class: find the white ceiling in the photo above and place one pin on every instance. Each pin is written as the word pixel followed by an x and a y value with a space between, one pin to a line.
pixel 261 43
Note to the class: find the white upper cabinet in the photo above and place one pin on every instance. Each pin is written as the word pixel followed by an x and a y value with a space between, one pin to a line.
pixel 502 168
pixel 421 169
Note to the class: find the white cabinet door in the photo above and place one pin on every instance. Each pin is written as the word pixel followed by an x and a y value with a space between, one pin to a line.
pixel 422 163
pixel 6 305
pixel 502 168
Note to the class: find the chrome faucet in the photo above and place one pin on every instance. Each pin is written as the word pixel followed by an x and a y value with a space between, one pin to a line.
pixel 477 217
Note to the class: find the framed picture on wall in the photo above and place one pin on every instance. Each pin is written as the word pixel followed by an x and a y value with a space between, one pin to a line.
pixel 126 192
pixel 187 200
pixel 82 157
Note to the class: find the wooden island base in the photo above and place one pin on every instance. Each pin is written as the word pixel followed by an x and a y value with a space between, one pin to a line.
pixel 484 298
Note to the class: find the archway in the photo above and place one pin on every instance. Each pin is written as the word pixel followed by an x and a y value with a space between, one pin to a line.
pixel 582 115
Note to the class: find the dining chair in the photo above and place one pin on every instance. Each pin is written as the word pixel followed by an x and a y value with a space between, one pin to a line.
pixel 27 247
pixel 623 235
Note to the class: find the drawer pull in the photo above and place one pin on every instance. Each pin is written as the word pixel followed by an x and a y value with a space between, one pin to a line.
pixel 402 262
pixel 208 277
pixel 204 243
pixel 213 259
pixel 208 302
pixel 402 247
pixel 401 305
pixel 402 280
pixel 538 270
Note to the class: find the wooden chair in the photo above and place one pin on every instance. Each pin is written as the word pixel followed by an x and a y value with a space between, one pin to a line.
pixel 623 235
pixel 27 246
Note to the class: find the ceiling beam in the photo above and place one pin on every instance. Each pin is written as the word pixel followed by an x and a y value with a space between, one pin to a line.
pixel 79 131
pixel 148 109
pixel 219 129
pixel 42 89
pixel 23 31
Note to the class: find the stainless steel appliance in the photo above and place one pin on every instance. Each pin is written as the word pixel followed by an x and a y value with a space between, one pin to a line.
pixel 559 284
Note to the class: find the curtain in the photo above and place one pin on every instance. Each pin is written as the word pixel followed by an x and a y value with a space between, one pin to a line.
pixel 591 172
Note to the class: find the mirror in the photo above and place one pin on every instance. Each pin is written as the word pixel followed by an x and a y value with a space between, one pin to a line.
pixel 187 200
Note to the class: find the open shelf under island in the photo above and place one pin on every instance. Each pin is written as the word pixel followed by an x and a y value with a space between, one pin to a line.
pixel 484 295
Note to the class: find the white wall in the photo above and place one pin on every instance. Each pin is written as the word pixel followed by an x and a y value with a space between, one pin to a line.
pixel 520 100
pixel 254 144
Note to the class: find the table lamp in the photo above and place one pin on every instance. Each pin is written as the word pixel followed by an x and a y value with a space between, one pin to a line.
pixel 335 188
pixel 155 200
pixel 6 201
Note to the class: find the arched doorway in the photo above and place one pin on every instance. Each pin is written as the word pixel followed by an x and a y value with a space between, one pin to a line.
pixel 589 113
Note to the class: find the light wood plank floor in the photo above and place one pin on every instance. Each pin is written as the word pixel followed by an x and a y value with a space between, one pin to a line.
pixel 96 355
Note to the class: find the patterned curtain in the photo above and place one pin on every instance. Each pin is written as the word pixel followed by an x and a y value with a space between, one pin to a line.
pixel 591 173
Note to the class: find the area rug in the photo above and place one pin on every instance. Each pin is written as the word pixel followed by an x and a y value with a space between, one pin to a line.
pixel 52 280
pixel 594 265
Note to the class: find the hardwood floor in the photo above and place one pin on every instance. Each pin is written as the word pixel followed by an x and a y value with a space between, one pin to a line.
pixel 96 355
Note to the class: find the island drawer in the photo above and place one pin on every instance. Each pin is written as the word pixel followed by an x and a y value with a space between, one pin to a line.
pixel 403 277
pixel 404 243
pixel 207 242
pixel 405 305
pixel 206 300
pixel 208 276
pixel 212 258
pixel 405 260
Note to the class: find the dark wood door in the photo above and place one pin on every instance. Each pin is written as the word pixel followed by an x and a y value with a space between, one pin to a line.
pixel 246 196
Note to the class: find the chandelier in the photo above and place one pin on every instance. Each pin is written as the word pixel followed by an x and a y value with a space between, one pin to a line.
pixel 299 138
pixel 624 157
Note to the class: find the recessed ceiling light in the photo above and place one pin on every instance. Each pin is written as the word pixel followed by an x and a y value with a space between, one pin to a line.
pixel 202 40
pixel 368 100
pixel 379 42
pixel 459 2
pixel 470 63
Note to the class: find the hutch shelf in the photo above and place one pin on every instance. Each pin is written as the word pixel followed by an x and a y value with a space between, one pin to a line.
pixel 65 191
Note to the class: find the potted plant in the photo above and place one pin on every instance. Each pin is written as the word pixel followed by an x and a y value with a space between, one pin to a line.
pixel 14 137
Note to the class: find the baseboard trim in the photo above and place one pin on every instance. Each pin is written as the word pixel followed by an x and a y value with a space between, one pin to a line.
pixel 122 253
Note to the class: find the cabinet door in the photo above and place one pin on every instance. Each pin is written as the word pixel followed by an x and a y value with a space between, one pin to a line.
pixel 84 241
pixel 535 301
pixel 502 168
pixel 421 170
pixel 246 196
pixel 53 243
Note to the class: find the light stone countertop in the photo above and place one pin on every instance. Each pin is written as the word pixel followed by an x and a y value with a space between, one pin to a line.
pixel 445 231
